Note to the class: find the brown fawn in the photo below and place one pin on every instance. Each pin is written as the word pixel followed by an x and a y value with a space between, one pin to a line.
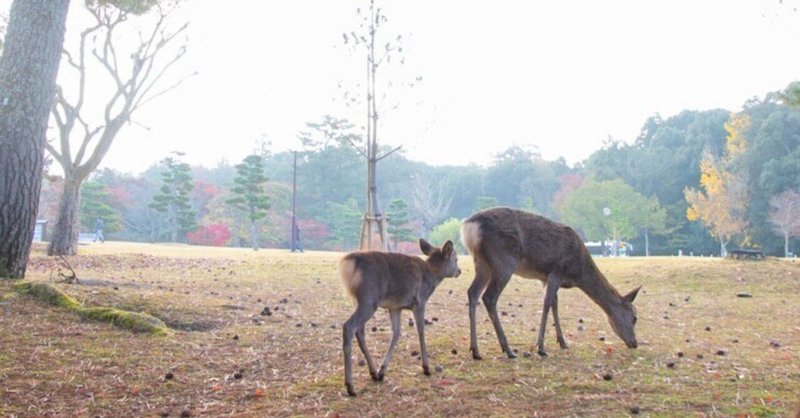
pixel 506 241
pixel 394 282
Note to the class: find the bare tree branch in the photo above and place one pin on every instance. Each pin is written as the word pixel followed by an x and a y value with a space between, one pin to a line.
pixel 389 153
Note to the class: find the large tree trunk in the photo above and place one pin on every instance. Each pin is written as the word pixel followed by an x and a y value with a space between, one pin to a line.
pixel 28 69
pixel 67 228
pixel 723 251
pixel 254 234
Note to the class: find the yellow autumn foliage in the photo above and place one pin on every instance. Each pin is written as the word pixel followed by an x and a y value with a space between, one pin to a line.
pixel 721 204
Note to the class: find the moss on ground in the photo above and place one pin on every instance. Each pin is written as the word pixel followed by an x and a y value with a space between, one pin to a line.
pixel 48 293
pixel 134 321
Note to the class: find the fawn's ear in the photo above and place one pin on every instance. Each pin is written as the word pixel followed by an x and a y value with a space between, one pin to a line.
pixel 425 246
pixel 447 248
pixel 632 295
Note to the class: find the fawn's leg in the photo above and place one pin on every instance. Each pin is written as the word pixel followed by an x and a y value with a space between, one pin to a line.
pixel 419 317
pixel 360 317
pixel 394 315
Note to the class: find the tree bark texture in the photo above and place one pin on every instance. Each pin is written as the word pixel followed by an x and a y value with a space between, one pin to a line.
pixel 65 233
pixel 28 69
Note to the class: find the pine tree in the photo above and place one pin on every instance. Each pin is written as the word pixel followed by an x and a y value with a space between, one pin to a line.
pixel 174 198
pixel 398 218
pixel 250 194
pixel 95 205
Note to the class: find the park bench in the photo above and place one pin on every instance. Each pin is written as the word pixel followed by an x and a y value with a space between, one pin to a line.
pixel 742 254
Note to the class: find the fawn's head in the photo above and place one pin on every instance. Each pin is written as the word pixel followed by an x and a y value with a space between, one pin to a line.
pixel 443 261
pixel 623 318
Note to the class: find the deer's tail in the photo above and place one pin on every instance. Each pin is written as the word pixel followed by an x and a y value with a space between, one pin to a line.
pixel 471 236
pixel 351 276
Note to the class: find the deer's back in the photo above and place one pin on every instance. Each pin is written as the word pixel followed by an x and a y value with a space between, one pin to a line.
pixel 537 245
pixel 389 280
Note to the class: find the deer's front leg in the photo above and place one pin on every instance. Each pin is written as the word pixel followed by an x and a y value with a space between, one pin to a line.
pixel 419 318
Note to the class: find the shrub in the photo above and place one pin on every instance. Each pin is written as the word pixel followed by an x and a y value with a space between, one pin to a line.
pixel 216 235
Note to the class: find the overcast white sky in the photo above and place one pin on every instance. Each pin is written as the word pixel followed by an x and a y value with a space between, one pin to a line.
pixel 560 76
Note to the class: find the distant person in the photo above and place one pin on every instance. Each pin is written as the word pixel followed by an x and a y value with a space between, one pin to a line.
pixel 98 230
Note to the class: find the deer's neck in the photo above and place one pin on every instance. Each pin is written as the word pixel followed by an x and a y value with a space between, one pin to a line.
pixel 597 287
pixel 430 280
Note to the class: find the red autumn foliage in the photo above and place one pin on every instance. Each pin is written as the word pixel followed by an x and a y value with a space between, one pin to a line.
pixel 216 235
pixel 313 234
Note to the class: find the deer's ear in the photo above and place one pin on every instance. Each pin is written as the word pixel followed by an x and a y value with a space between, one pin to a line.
pixel 425 246
pixel 447 248
pixel 632 295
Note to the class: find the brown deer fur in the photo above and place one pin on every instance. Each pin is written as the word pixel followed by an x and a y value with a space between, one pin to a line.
pixel 393 282
pixel 506 241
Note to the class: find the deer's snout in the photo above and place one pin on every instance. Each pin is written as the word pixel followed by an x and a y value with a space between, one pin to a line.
pixel 632 344
pixel 458 272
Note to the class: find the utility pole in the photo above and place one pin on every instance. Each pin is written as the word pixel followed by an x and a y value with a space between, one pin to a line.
pixel 294 204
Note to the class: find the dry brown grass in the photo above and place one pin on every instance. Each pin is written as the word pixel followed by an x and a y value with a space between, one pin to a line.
pixel 226 359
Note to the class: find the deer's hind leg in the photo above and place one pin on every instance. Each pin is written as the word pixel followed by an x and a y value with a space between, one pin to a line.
pixel 394 315
pixel 355 326
pixel 559 335
pixel 501 275
pixel 483 274
pixel 361 336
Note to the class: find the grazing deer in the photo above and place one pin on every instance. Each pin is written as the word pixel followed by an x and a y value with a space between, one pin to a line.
pixel 506 241
pixel 394 282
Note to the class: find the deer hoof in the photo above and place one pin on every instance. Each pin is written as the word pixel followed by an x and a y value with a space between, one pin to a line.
pixel 379 377
pixel 350 391
pixel 541 353
pixel 511 354
pixel 476 355
pixel 427 371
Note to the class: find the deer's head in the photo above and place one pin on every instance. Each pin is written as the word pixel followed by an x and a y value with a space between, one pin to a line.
pixel 623 318
pixel 444 261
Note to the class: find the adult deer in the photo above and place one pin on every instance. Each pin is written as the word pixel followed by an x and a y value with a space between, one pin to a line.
pixel 506 241
pixel 394 282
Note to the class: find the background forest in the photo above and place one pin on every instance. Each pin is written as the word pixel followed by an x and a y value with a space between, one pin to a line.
pixel 647 184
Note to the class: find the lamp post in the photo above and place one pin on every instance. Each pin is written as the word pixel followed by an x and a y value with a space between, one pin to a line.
pixel 294 203
pixel 607 213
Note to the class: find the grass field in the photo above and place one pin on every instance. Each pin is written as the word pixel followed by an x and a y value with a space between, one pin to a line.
pixel 703 350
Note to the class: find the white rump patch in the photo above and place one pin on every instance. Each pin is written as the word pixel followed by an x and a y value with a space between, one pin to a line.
pixel 351 278
pixel 471 236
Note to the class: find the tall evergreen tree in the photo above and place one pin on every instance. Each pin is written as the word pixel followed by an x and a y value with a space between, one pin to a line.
pixel 173 199
pixel 95 205
pixel 249 193
pixel 398 221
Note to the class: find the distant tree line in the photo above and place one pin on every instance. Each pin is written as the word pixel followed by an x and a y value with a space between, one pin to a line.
pixel 698 182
